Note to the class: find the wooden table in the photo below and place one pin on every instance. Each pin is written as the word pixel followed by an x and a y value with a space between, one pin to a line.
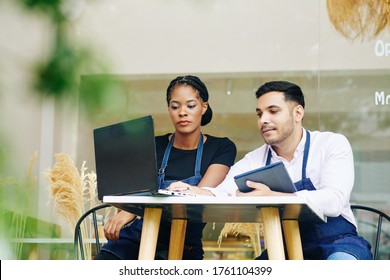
pixel 274 212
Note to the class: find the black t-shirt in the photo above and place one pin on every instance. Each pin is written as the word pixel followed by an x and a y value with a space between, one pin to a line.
pixel 181 163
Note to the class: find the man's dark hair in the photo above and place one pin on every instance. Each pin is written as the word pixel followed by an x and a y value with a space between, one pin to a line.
pixel 292 92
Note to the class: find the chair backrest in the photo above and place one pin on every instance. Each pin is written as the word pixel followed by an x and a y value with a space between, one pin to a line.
pixel 80 235
pixel 372 228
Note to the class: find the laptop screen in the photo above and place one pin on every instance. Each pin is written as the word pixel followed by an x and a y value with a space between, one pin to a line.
pixel 125 157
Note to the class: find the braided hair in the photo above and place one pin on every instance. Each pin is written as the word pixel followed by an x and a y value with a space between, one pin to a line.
pixel 199 86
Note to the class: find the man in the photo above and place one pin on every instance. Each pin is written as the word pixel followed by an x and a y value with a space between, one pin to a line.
pixel 320 163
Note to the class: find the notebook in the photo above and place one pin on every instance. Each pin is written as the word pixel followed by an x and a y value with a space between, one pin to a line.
pixel 275 176
pixel 125 157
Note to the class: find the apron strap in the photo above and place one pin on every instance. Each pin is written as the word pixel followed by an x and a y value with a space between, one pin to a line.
pixel 305 154
pixel 164 163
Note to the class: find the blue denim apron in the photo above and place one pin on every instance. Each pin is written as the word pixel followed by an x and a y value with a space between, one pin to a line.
pixel 320 240
pixel 127 246
pixel 194 180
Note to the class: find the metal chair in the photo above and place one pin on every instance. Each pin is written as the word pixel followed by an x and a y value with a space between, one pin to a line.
pixel 78 235
pixel 370 222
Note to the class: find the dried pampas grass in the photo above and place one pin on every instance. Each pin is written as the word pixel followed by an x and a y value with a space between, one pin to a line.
pixel 89 187
pixel 66 189
pixel 364 19
pixel 252 230
pixel 71 192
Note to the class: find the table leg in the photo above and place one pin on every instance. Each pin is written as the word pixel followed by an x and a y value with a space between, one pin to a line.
pixel 149 235
pixel 176 243
pixel 273 233
pixel 293 239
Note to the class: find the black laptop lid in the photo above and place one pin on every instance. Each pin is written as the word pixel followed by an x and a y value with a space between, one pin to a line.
pixel 125 157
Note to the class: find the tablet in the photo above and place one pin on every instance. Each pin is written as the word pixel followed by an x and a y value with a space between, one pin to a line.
pixel 275 176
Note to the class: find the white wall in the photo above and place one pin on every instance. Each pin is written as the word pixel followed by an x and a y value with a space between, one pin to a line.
pixel 220 36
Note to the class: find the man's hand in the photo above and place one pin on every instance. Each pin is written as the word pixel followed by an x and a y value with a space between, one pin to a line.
pixel 115 223
pixel 259 189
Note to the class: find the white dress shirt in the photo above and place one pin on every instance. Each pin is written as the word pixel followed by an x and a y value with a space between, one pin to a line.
pixel 330 168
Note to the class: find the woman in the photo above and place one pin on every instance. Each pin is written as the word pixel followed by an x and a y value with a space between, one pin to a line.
pixel 187 155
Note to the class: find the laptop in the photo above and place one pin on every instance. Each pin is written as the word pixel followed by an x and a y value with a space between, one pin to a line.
pixel 125 157
pixel 275 176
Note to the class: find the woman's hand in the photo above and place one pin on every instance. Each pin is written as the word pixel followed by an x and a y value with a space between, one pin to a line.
pixel 179 186
pixel 186 188
pixel 115 223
